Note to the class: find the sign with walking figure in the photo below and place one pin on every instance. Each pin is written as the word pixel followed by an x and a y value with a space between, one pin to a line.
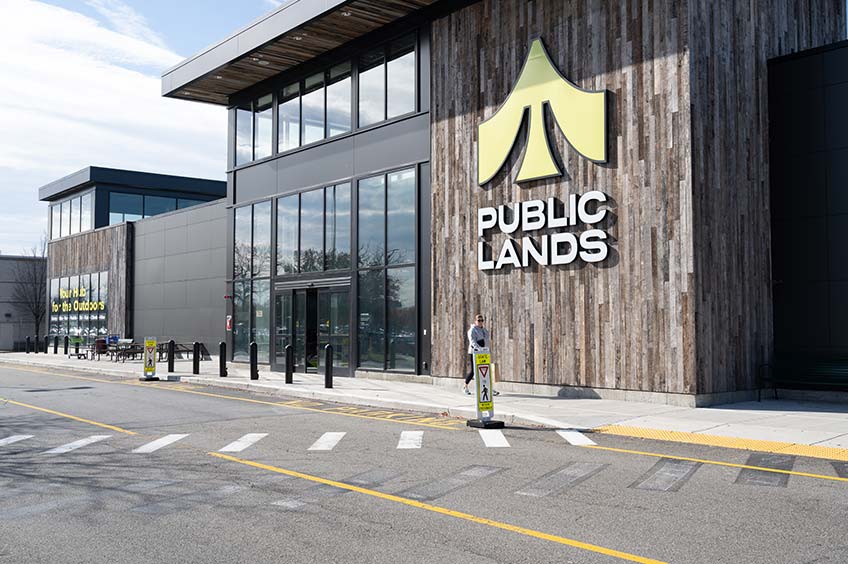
pixel 150 359
pixel 483 378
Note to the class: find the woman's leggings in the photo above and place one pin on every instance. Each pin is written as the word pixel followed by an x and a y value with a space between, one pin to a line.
pixel 470 375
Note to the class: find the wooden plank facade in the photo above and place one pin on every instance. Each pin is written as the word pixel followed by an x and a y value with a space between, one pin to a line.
pixel 106 249
pixel 683 304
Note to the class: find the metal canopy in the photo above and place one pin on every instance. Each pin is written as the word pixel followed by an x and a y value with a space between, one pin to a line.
pixel 296 32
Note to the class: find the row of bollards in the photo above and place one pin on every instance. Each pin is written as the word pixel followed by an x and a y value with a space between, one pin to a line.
pixel 222 358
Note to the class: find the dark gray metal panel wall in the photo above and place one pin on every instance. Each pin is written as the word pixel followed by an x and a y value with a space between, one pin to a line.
pixel 180 267
pixel 393 145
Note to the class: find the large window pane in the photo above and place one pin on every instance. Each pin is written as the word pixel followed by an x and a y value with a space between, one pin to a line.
pixel 261 309
pixel 372 88
pixel 55 308
pixel 338 99
pixel 242 243
pixel 284 328
pixel 264 126
pixel 313 109
pixel 400 220
pixel 66 218
pixel 154 205
pixel 103 296
pixel 400 297
pixel 312 231
pixel 55 221
pixel 337 230
pixel 125 207
pixel 87 222
pixel 371 319
pixel 289 118
pixel 401 77
pixel 241 320
pixel 372 221
pixel 75 215
pixel 287 214
pixel 244 134
pixel 262 239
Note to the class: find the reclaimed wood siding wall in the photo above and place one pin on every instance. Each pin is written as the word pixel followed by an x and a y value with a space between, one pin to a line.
pixel 627 323
pixel 107 249
pixel 730 43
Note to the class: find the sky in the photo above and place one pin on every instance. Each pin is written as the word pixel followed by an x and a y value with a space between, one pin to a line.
pixel 81 87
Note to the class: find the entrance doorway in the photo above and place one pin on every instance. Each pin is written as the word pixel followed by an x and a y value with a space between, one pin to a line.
pixel 309 319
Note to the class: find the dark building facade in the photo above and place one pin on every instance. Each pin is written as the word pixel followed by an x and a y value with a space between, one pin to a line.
pixel 92 267
pixel 389 162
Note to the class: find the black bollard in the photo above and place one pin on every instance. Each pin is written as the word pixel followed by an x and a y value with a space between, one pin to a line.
pixel 289 364
pixel 46 344
pixel 254 361
pixel 28 344
pixel 66 346
pixel 222 359
pixel 76 347
pixel 56 344
pixel 172 349
pixel 328 366
pixel 195 358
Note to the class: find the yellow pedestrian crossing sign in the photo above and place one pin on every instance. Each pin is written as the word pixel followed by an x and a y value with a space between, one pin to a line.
pixel 483 379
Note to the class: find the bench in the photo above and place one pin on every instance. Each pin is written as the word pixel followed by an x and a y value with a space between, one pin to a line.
pixel 821 372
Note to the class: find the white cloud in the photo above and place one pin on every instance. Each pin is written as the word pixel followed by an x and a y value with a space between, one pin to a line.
pixel 77 94
pixel 127 21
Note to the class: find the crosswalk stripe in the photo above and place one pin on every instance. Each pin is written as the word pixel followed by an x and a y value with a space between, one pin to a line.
pixel 77 444
pixel 14 439
pixel 667 475
pixel 575 438
pixel 244 442
pixel 493 438
pixel 411 439
pixel 327 441
pixel 153 446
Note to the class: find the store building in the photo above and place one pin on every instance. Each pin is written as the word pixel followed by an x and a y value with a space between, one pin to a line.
pixel 597 178
pixel 125 245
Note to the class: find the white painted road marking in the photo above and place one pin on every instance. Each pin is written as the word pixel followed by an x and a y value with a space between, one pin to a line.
pixel 14 439
pixel 327 441
pixel 158 443
pixel 411 439
pixel 493 438
pixel 244 442
pixel 77 444
pixel 575 438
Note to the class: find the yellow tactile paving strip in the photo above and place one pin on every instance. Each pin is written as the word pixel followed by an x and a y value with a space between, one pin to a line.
pixel 776 447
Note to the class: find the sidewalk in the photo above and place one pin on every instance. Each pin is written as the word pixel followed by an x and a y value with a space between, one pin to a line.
pixel 789 427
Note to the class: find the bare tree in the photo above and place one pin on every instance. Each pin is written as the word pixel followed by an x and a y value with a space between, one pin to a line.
pixel 30 289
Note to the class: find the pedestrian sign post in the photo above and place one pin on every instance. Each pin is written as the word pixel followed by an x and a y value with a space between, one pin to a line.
pixel 149 360
pixel 484 395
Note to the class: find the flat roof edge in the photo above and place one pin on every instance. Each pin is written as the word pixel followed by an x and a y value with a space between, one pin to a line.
pixel 92 175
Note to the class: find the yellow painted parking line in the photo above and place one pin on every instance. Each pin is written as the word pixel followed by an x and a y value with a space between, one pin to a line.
pixel 718 463
pixel 68 416
pixel 303 405
pixel 444 511
pixel 774 447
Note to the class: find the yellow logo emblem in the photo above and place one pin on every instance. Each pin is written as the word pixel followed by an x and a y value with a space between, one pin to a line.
pixel 580 115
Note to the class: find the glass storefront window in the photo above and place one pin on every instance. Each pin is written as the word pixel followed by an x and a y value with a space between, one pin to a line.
pixel 75 216
pixel 287 229
pixel 313 108
pixel 337 227
pixel 244 134
pixel 372 220
pixel 264 126
pixel 55 221
pixel 125 207
pixel 241 320
pixel 66 218
pixel 86 218
pixel 371 319
pixel 400 218
pixel 154 205
pixel 262 239
pixel 400 300
pixel 312 231
pixel 242 242
pixel 261 318
pixel 338 99
pixel 401 77
pixel 288 118
pixel 372 88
